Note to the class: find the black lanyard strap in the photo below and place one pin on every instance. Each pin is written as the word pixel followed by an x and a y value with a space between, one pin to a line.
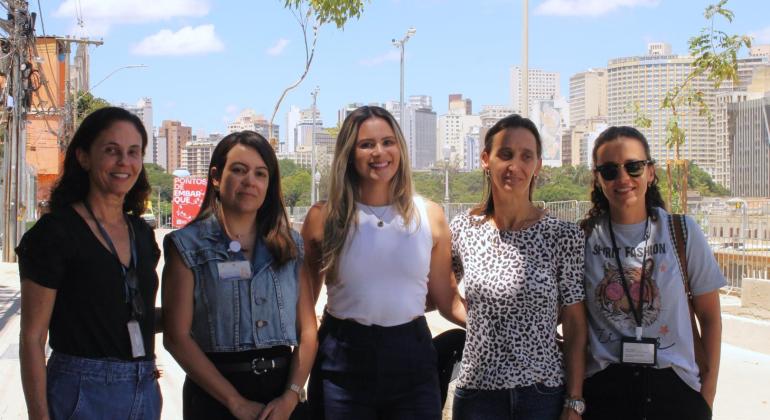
pixel 637 313
pixel 130 270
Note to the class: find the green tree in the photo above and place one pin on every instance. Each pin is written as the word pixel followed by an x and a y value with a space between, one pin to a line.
pixel 288 167
pixel 716 59
pixel 296 189
pixel 88 103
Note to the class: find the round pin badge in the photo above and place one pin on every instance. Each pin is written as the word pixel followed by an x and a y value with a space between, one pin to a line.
pixel 235 246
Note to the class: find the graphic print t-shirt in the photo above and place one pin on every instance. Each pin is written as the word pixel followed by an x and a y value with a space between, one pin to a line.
pixel 665 314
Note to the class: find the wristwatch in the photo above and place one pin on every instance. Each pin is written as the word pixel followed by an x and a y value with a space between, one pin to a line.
pixel 576 404
pixel 300 392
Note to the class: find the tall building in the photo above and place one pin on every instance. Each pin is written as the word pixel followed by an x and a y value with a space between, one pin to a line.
pixel 346 110
pixel 292 120
pixel 645 80
pixel 453 130
pixel 143 110
pixel 587 95
pixel 552 120
pixel 543 85
pixel 304 130
pixel 420 131
pixel 160 150
pixel 472 149
pixel 177 136
pixel 750 133
pixel 250 120
pixel 459 105
pixel 196 155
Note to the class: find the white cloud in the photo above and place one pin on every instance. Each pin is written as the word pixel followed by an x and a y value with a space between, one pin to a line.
pixel 99 15
pixel 761 36
pixel 278 47
pixel 588 7
pixel 186 41
pixel 394 55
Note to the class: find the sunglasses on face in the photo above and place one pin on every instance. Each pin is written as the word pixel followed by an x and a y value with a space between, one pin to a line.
pixel 634 169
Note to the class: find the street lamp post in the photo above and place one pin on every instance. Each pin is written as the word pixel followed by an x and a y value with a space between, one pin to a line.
pixel 447 151
pixel 399 43
pixel 313 195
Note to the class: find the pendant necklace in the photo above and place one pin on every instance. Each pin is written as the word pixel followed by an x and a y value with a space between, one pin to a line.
pixel 380 221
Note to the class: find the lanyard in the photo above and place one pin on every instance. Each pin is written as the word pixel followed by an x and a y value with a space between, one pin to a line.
pixel 107 239
pixel 637 313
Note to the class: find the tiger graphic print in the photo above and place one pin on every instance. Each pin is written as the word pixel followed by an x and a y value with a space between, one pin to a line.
pixel 613 301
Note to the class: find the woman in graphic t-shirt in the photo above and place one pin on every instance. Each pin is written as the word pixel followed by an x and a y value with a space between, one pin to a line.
pixel 642 362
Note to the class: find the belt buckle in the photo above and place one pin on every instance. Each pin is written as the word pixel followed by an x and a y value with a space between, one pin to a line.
pixel 258 371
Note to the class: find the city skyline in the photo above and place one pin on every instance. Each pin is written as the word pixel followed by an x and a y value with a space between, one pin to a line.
pixel 228 58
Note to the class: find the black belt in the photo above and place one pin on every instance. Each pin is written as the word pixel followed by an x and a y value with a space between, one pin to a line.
pixel 258 366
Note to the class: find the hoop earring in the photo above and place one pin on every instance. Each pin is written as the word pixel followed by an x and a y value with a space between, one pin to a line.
pixel 486 173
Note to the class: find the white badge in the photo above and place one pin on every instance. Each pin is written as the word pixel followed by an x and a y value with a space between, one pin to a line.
pixel 234 270
pixel 137 342
pixel 638 352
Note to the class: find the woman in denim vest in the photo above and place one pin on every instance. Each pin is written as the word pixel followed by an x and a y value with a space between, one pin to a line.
pixel 235 298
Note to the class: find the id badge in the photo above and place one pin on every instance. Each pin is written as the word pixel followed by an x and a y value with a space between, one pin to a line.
pixel 137 342
pixel 234 270
pixel 643 351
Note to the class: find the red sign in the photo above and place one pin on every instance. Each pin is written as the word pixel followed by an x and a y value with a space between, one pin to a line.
pixel 188 198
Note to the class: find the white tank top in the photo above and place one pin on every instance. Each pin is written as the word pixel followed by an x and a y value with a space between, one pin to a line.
pixel 383 270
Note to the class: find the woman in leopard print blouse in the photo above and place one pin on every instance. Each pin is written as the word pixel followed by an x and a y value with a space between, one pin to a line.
pixel 522 272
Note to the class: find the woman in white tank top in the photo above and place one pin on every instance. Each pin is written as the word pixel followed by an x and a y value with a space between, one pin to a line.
pixel 381 251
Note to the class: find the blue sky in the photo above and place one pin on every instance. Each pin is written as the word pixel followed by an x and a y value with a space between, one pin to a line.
pixel 207 59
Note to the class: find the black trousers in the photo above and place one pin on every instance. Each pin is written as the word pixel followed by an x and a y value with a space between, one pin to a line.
pixel 372 372
pixel 641 393
pixel 197 404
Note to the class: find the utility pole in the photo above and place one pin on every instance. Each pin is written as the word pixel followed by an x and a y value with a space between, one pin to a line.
pixel 70 112
pixel 524 100
pixel 20 27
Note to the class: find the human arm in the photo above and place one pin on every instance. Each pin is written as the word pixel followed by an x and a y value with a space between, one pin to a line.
pixel 575 330
pixel 304 354
pixel 707 310
pixel 36 308
pixel 312 237
pixel 442 286
pixel 177 297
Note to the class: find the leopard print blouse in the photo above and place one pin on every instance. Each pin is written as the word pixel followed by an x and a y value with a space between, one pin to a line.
pixel 515 284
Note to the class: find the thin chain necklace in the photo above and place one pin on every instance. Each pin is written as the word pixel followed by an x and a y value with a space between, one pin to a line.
pixel 380 221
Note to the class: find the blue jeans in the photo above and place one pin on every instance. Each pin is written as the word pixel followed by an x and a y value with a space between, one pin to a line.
pixel 534 402
pixel 371 372
pixel 81 388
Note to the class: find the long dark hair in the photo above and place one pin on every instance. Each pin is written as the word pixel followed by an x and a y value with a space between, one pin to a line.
pixel 73 185
pixel 487 205
pixel 272 221
pixel 601 205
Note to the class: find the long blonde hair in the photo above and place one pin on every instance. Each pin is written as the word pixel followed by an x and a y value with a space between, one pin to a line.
pixel 340 208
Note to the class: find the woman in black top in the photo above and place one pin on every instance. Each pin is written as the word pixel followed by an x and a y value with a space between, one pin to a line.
pixel 88 279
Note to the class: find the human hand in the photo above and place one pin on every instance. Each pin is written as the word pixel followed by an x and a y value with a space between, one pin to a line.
pixel 246 410
pixel 280 408
pixel 709 392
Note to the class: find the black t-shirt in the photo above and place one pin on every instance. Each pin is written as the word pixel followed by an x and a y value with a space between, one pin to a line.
pixel 90 313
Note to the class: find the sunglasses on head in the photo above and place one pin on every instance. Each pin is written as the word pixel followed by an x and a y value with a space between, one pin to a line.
pixel 634 169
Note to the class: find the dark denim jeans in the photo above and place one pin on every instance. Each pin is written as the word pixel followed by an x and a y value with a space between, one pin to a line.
pixel 636 393
pixel 81 388
pixel 534 402
pixel 371 372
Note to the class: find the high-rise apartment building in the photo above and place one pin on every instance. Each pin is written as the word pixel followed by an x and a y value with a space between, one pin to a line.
pixel 196 155
pixel 304 130
pixel 587 95
pixel 459 105
pixel 453 130
pixel 250 120
pixel 750 134
pixel 177 136
pixel 645 80
pixel 543 85
pixel 419 131
pixel 292 120
pixel 143 110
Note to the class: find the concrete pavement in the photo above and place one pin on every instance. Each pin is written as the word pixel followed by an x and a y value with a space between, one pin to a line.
pixel 742 394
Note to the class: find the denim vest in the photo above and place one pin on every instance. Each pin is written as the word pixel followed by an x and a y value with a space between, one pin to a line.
pixel 238 315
